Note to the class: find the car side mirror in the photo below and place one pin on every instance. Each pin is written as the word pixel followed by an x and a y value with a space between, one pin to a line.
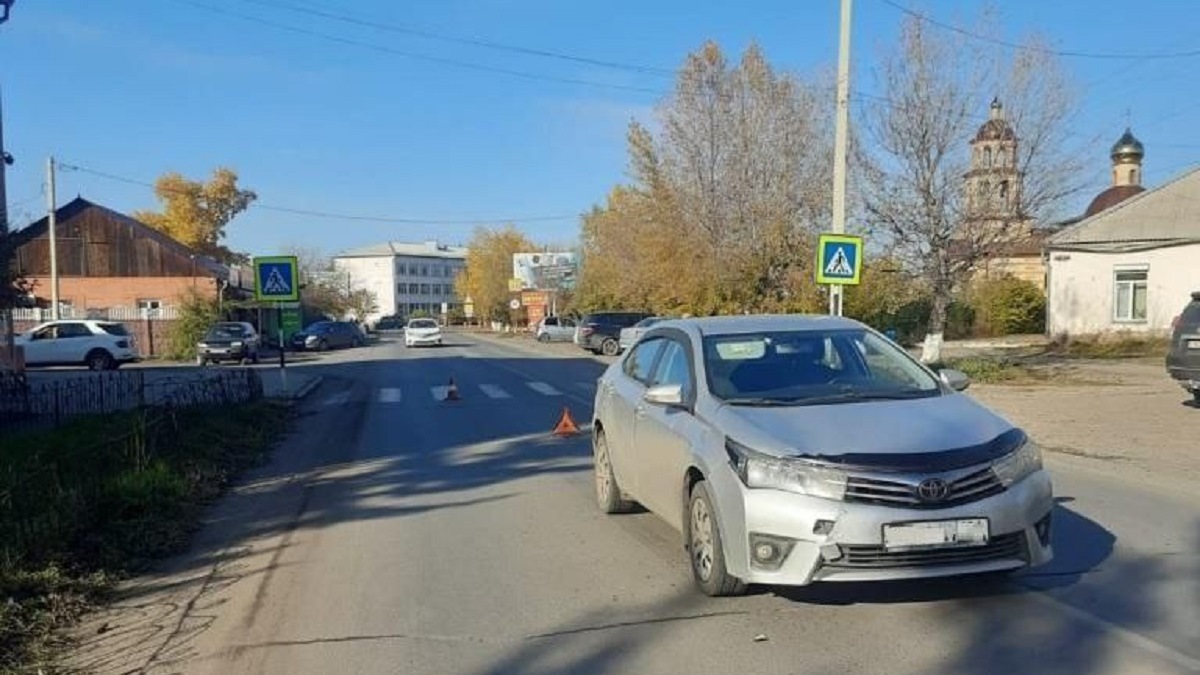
pixel 669 395
pixel 955 379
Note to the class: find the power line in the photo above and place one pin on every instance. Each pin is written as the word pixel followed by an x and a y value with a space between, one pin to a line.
pixel 455 39
pixel 336 216
pixel 468 65
pixel 1041 50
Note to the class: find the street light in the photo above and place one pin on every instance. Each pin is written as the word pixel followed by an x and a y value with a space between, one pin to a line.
pixel 5 6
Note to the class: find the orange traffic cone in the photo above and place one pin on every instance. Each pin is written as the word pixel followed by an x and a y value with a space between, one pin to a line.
pixel 452 392
pixel 566 425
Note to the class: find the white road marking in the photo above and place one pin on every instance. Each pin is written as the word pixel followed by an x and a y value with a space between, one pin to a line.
pixel 340 398
pixel 543 388
pixel 389 395
pixel 439 393
pixel 492 391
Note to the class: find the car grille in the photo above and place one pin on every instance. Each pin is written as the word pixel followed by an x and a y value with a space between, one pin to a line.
pixel 1005 546
pixel 963 490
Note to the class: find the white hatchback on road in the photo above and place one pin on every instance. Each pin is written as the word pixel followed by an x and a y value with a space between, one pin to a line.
pixel 422 332
pixel 99 345
pixel 791 449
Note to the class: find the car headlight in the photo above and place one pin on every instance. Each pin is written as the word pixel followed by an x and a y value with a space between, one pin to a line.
pixel 791 475
pixel 1017 465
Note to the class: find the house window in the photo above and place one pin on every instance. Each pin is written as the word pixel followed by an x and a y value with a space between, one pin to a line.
pixel 401 269
pixel 1004 190
pixel 413 289
pixel 1129 295
pixel 149 308
pixel 987 157
pixel 424 289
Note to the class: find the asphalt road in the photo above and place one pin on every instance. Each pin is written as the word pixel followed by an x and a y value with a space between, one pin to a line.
pixel 395 533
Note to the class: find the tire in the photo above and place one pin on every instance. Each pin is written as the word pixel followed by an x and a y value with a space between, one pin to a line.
pixel 706 551
pixel 99 359
pixel 608 493
pixel 254 358
pixel 543 338
pixel 322 346
pixel 610 347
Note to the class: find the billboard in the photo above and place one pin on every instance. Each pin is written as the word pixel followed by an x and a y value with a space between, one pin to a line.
pixel 548 271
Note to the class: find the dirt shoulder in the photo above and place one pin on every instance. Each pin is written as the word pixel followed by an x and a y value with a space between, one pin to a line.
pixel 1128 418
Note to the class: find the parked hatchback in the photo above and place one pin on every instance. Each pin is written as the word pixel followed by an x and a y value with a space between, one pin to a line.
pixel 1183 361
pixel 600 332
pixel 790 449
pixel 99 345
pixel 555 329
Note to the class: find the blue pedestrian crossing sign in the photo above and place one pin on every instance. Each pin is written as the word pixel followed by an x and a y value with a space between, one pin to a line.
pixel 839 259
pixel 276 279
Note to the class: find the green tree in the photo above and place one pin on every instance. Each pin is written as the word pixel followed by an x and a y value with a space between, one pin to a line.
pixel 196 213
pixel 196 314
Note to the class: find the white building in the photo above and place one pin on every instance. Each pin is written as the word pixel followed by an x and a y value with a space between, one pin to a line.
pixel 406 277
pixel 1129 266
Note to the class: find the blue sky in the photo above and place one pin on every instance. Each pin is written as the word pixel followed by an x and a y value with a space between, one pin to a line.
pixel 138 87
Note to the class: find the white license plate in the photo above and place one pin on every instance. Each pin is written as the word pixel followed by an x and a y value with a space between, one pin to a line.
pixel 1193 344
pixel 936 534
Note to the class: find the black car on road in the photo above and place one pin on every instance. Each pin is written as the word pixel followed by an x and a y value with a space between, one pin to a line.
pixel 324 335
pixel 1183 361
pixel 229 341
pixel 600 332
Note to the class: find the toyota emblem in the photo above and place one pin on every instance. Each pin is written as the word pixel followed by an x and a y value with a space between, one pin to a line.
pixel 933 490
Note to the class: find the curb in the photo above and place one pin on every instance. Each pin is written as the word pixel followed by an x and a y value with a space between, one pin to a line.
pixel 304 390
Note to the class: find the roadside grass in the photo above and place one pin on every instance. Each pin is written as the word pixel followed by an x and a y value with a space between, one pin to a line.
pixel 1016 371
pixel 98 499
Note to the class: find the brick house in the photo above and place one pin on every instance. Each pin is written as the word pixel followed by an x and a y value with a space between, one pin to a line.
pixel 112 265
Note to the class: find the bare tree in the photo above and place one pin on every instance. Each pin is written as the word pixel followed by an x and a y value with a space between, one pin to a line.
pixel 915 188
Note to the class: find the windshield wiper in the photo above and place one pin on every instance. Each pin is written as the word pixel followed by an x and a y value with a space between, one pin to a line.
pixel 760 401
pixel 851 396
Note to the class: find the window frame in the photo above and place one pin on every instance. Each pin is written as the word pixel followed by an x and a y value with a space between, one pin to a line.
pixel 1132 284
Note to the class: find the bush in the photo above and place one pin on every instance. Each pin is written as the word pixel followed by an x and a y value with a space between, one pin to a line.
pixel 1009 306
pixel 911 321
pixel 196 314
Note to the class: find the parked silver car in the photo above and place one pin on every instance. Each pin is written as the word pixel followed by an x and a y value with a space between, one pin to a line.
pixel 631 335
pixel 793 449
pixel 555 329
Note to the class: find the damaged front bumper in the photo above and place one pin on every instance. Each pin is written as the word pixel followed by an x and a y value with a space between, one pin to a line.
pixel 818 539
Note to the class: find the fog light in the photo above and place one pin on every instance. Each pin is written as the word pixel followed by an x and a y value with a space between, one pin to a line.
pixel 831 552
pixel 1043 530
pixel 823 527
pixel 768 552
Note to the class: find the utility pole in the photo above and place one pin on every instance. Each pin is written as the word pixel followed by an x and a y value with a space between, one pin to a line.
pixel 840 143
pixel 52 220
pixel 5 264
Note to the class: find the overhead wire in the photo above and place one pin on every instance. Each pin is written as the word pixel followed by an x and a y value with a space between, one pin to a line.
pixel 66 166
pixel 456 39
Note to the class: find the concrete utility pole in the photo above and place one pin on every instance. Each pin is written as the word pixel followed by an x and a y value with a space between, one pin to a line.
pixel 52 220
pixel 840 143
pixel 5 161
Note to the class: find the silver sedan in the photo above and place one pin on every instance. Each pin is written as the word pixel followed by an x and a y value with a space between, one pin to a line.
pixel 794 449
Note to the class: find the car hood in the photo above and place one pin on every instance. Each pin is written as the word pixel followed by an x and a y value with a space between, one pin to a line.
pixel 870 431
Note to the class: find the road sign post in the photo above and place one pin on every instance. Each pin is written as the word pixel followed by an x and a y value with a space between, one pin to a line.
pixel 839 263
pixel 277 280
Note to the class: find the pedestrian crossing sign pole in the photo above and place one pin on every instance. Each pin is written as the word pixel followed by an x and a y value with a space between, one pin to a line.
pixel 839 261
pixel 277 280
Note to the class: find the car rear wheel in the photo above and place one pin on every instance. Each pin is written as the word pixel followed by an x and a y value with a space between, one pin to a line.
pixel 608 492
pixel 610 347
pixel 98 359
pixel 543 338
pixel 201 361
pixel 705 548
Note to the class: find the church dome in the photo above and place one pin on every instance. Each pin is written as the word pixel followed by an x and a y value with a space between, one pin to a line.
pixel 996 128
pixel 1128 148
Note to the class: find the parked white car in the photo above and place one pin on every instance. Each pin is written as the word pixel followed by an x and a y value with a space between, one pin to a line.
pixel 422 332
pixel 99 345
pixel 630 336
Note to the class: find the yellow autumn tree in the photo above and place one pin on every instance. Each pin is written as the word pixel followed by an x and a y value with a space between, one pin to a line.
pixel 489 267
pixel 195 213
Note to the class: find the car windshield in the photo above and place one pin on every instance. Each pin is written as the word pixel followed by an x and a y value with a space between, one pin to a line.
pixel 810 367
pixel 225 331
pixel 423 323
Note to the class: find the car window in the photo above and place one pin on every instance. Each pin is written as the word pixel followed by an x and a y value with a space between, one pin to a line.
pixel 550 321
pixel 227 330
pixel 1191 314
pixel 673 368
pixel 47 333
pixel 73 330
pixel 114 329
pixel 641 359
pixel 794 366
pixel 422 323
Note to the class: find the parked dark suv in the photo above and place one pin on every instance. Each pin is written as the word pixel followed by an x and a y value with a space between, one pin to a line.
pixel 1183 361
pixel 600 332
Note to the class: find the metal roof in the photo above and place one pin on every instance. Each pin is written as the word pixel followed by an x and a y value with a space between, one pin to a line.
pixel 389 249
pixel 1167 215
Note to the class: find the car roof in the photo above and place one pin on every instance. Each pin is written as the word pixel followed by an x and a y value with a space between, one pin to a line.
pixel 759 323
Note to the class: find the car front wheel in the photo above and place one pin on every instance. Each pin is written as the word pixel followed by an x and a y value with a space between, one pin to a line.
pixel 98 359
pixel 610 347
pixel 705 548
